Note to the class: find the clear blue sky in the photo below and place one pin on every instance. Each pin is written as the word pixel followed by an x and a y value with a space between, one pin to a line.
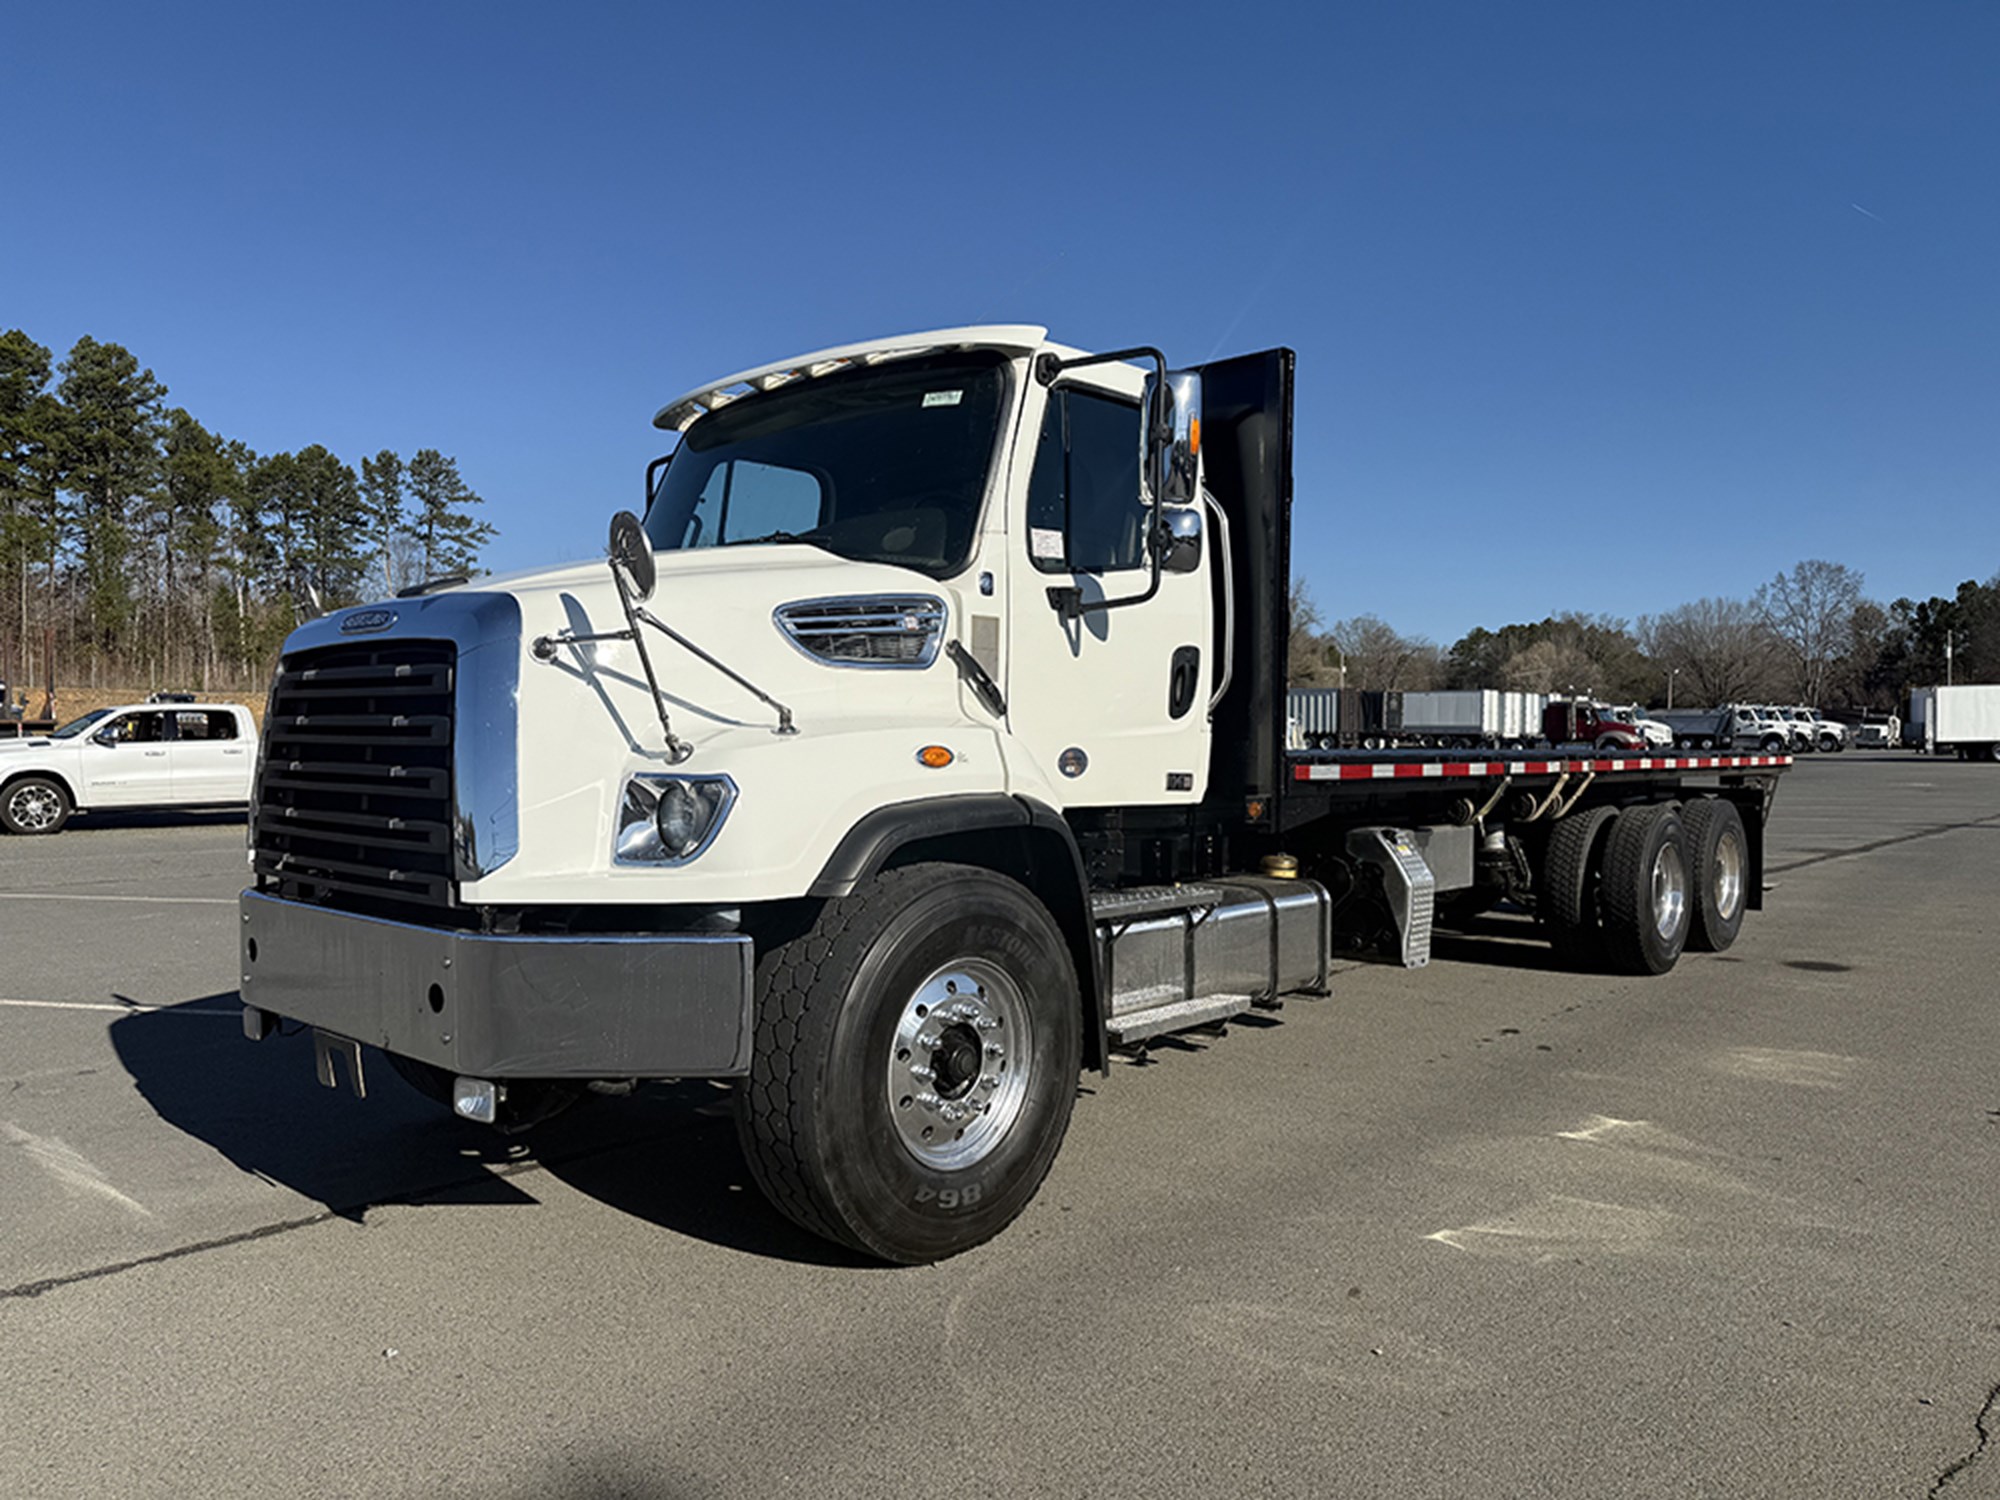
pixel 1598 306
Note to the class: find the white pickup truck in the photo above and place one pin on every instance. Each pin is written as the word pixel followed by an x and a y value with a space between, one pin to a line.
pixel 157 754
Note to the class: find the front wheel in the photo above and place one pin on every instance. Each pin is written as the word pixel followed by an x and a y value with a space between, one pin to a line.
pixel 35 804
pixel 916 1060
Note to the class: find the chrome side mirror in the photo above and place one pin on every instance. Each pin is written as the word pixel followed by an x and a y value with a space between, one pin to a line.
pixel 1181 541
pixel 632 557
pixel 1173 440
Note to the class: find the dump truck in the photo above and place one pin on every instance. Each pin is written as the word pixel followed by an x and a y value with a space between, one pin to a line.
pixel 921 746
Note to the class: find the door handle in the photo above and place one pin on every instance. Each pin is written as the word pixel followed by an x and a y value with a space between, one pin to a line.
pixel 1183 677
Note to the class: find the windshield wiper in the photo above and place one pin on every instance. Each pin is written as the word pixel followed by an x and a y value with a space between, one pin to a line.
pixel 777 536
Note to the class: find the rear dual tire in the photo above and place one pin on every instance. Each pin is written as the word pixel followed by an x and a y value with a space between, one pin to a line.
pixel 1718 872
pixel 1644 890
pixel 1631 890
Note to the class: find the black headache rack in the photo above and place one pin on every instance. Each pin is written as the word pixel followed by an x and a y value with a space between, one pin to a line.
pixel 354 796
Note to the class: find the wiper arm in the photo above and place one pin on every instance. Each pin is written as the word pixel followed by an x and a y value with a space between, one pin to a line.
pixel 777 536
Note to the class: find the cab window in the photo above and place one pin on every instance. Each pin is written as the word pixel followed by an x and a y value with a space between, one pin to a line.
pixel 1084 509
pixel 137 729
pixel 205 726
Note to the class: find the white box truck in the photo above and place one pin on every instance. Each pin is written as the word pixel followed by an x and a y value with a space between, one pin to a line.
pixel 1962 720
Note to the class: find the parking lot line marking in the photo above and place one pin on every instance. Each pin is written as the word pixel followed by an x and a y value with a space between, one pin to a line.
pixel 123 1010
pixel 157 900
pixel 69 1166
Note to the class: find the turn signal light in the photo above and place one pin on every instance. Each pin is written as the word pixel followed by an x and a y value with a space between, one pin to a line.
pixel 935 756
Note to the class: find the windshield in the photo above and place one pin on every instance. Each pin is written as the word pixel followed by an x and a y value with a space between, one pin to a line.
pixel 880 465
pixel 76 727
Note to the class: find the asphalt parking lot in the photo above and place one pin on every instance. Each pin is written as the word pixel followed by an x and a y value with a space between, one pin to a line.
pixel 1491 1228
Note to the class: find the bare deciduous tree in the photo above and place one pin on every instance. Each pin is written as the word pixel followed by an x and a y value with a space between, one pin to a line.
pixel 1721 649
pixel 1374 655
pixel 1809 610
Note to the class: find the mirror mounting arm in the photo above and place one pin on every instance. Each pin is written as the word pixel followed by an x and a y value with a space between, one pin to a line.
pixel 678 749
pixel 1069 603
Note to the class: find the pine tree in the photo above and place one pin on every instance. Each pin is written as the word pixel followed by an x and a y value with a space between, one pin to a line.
pixel 382 501
pixel 448 537
pixel 109 457
pixel 30 419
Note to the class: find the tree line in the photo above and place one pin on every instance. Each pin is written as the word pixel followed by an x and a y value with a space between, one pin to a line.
pixel 139 546
pixel 1808 636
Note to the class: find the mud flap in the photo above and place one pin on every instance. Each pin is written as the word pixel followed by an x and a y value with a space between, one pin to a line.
pixel 329 1048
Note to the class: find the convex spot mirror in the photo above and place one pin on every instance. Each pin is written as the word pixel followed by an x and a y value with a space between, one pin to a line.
pixel 1181 551
pixel 1171 460
pixel 632 557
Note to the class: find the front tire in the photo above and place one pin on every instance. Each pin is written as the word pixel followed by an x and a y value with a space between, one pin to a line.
pixel 35 805
pixel 915 1065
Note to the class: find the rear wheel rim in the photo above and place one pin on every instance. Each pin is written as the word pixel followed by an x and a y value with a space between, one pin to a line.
pixel 35 808
pixel 1669 892
pixel 1729 864
pixel 958 1068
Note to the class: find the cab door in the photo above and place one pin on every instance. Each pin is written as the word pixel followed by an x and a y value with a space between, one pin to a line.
pixel 1107 707
pixel 125 763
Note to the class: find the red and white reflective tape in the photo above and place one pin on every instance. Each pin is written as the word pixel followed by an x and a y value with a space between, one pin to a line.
pixel 1419 770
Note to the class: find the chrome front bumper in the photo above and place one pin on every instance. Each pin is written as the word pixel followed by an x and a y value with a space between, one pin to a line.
pixel 485 1006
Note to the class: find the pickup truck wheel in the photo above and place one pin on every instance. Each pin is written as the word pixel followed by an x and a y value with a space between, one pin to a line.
pixel 915 1065
pixel 1570 869
pixel 1771 744
pixel 1645 890
pixel 1718 872
pixel 34 804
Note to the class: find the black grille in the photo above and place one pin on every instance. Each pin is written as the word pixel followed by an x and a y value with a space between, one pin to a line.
pixel 354 798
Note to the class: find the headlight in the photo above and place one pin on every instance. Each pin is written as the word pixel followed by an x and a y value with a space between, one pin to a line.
pixel 668 820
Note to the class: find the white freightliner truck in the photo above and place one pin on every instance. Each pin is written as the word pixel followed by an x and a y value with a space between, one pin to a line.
pixel 922 746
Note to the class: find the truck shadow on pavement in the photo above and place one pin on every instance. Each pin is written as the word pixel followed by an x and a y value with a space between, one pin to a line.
pixel 110 820
pixel 667 1154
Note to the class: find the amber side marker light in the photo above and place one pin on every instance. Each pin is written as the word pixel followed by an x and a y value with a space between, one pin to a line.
pixel 935 756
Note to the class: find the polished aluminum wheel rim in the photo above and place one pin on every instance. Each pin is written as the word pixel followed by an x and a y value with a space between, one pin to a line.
pixel 1669 891
pixel 958 1066
pixel 1728 876
pixel 35 808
